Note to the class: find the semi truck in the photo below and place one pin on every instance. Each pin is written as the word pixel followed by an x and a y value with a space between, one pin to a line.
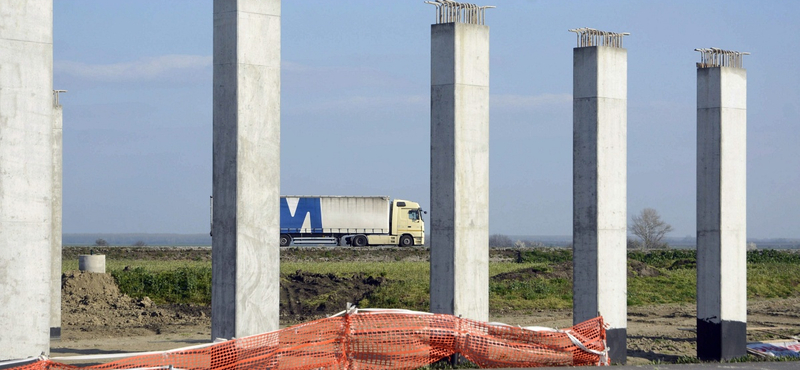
pixel 351 220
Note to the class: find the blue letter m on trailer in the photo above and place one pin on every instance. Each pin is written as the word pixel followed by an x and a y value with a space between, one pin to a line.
pixel 301 215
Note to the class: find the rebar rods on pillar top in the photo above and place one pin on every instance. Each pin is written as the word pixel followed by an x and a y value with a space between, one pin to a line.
pixel 55 97
pixel 448 11
pixel 591 37
pixel 716 57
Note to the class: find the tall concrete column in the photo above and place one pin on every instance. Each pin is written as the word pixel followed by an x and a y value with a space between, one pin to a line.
pixel 721 205
pixel 460 168
pixel 246 180
pixel 55 242
pixel 26 160
pixel 600 104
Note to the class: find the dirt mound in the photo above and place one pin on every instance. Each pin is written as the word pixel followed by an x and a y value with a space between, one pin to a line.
pixel 560 271
pixel 637 268
pixel 93 306
pixel 306 295
pixel 92 303
pixel 89 289
pixel 683 264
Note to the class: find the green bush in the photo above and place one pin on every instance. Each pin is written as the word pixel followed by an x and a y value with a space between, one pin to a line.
pixel 773 256
pixel 182 285
pixel 663 258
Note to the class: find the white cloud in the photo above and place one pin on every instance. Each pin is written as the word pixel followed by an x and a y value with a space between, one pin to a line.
pixel 510 101
pixel 152 68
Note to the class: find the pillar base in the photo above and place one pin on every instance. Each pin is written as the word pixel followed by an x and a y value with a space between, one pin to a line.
pixel 55 333
pixel 721 341
pixel 617 342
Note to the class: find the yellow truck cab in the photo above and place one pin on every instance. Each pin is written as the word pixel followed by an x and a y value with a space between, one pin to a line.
pixel 407 228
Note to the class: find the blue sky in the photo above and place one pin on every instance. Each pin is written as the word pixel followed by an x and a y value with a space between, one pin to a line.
pixel 355 107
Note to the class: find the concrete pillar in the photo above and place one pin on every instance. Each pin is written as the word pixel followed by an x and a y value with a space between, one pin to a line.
pixel 460 170
pixel 721 212
pixel 600 93
pixel 246 180
pixel 26 183
pixel 55 242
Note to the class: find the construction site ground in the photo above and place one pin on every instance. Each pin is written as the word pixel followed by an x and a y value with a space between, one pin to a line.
pixel 98 319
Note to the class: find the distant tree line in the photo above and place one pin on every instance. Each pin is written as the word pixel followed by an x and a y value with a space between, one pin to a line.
pixel 647 226
pixel 504 241
pixel 131 239
pixel 103 243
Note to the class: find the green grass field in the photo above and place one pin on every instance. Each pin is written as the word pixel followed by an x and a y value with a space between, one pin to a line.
pixel 771 274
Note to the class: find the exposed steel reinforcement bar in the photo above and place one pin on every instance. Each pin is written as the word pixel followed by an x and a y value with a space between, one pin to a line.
pixel 588 37
pixel 448 11
pixel 716 57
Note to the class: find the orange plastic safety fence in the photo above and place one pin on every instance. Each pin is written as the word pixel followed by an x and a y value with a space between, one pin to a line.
pixel 379 341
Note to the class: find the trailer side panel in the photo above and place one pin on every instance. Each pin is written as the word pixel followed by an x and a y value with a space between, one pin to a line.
pixel 341 215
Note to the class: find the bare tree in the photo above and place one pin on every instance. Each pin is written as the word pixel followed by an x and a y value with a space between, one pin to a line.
pixel 100 242
pixel 634 244
pixel 649 227
pixel 139 243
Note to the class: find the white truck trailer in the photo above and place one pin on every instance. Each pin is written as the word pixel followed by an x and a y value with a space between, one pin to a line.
pixel 350 220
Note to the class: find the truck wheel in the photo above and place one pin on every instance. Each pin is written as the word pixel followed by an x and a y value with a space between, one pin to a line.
pixel 285 240
pixel 406 241
pixel 359 241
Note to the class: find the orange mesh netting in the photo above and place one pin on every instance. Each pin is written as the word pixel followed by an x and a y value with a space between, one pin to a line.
pixel 381 340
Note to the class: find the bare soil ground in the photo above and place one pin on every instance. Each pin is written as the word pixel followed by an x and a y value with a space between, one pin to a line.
pixel 98 319
pixel 327 292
